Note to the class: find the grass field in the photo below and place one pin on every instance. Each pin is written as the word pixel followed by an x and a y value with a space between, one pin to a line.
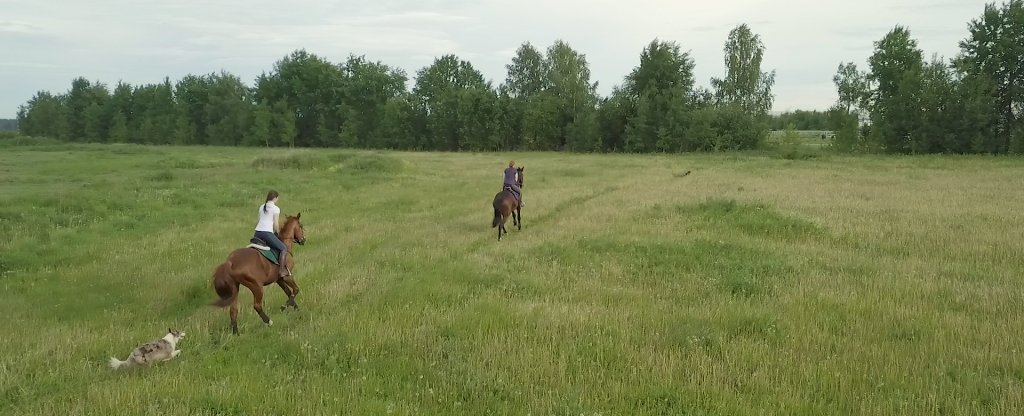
pixel 753 285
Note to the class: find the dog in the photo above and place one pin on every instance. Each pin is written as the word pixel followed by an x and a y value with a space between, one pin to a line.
pixel 162 349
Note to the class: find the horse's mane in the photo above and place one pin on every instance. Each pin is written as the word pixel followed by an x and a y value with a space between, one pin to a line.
pixel 288 222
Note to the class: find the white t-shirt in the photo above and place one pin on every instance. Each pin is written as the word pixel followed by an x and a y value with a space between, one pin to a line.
pixel 267 218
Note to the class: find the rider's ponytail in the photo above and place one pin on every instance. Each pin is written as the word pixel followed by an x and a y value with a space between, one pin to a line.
pixel 270 197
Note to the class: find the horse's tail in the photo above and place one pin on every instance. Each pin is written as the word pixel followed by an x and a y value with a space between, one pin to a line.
pixel 226 288
pixel 497 210
pixel 497 218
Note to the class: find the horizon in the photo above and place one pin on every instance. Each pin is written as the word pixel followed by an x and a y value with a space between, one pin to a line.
pixel 50 47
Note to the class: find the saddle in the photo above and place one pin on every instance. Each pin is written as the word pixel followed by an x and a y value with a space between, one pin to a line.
pixel 264 249
pixel 511 191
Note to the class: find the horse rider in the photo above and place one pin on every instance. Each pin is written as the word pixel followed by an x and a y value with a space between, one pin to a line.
pixel 511 176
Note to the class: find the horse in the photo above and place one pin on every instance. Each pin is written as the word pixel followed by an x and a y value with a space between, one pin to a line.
pixel 247 267
pixel 506 204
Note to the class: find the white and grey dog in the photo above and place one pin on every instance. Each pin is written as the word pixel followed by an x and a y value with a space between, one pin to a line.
pixel 162 349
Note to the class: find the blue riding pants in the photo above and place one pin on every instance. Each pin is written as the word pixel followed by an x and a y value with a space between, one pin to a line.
pixel 272 240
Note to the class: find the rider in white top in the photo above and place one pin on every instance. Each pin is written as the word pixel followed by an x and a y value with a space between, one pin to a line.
pixel 268 214
pixel 267 228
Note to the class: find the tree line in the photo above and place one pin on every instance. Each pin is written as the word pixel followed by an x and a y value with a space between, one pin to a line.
pixel 901 103
pixel 7 124
pixel 800 120
pixel 972 103
pixel 547 102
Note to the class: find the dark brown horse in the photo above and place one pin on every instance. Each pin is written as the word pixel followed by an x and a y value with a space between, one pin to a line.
pixel 506 204
pixel 247 267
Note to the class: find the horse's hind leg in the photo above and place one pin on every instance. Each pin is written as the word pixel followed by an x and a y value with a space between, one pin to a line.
pixel 257 301
pixel 234 316
pixel 501 226
pixel 519 218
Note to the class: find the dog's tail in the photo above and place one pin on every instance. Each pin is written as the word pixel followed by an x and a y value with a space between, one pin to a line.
pixel 226 288
pixel 116 364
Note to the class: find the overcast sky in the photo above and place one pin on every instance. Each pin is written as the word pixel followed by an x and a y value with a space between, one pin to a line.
pixel 44 44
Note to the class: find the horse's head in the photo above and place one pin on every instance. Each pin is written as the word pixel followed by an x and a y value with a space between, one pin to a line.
pixel 293 227
pixel 519 176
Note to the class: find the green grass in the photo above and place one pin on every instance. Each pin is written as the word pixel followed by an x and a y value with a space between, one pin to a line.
pixel 757 284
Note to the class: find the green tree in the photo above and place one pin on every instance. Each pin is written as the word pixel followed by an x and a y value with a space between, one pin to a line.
pixel 566 105
pixel 936 131
pixel 397 129
pixel 613 115
pixel 156 115
pixel 801 120
pixel 121 102
pixel 96 123
pixel 262 120
pixel 192 95
pixel 438 93
pixel 119 128
pixel 44 115
pixel 526 80
pixel 744 85
pixel 745 91
pixel 78 100
pixel 974 122
pixel 896 71
pixel 992 53
pixel 228 110
pixel 312 88
pixel 662 89
pixel 477 119
pixel 283 131
pixel 367 88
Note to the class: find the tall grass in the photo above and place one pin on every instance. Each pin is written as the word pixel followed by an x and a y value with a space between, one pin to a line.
pixel 753 285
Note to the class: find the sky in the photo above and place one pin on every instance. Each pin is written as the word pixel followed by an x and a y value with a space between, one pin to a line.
pixel 44 44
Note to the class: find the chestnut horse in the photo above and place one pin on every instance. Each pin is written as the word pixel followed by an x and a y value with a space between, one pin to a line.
pixel 247 267
pixel 506 204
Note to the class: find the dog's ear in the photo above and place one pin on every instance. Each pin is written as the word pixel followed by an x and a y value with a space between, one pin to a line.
pixel 298 216
pixel 170 331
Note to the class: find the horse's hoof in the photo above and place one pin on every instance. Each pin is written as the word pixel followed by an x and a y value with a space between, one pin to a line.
pixel 284 307
pixel 270 322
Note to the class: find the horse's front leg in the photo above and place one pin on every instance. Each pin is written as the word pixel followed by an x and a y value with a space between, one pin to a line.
pixel 291 290
pixel 287 292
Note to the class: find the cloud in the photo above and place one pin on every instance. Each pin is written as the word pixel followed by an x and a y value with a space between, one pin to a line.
pixel 7 26
pixel 28 65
